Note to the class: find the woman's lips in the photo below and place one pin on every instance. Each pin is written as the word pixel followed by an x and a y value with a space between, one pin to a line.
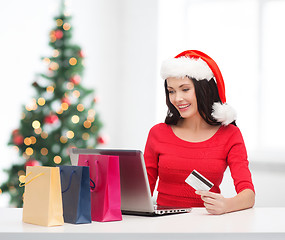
pixel 183 107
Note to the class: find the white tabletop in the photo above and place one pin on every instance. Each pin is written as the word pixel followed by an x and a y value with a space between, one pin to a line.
pixel 256 223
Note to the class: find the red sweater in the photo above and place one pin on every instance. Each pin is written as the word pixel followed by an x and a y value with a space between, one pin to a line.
pixel 173 159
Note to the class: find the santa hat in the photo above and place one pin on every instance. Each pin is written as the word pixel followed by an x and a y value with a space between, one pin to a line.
pixel 198 65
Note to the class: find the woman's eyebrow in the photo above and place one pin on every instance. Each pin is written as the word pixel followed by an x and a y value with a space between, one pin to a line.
pixel 183 85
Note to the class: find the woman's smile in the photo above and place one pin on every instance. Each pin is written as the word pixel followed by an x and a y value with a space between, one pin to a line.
pixel 182 96
pixel 183 107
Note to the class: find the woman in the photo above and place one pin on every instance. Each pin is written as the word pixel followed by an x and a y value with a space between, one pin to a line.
pixel 199 133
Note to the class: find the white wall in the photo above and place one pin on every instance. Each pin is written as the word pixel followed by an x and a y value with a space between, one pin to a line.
pixel 121 46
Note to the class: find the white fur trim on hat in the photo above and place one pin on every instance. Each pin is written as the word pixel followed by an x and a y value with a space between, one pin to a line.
pixel 223 113
pixel 185 66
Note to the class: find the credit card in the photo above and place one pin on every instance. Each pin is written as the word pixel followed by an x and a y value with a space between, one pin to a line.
pixel 198 181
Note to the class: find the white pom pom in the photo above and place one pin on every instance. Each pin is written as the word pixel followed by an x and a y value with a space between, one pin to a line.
pixel 223 113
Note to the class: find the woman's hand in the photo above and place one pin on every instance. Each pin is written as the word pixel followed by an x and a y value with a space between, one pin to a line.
pixel 214 203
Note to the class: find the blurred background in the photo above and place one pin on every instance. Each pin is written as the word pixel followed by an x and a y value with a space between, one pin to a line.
pixel 124 43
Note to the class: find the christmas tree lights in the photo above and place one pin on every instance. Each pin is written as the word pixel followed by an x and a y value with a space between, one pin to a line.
pixel 61 116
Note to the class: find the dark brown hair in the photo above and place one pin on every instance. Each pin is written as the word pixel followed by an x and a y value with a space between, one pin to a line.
pixel 206 94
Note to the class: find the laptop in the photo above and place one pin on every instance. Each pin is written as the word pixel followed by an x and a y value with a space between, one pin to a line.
pixel 135 190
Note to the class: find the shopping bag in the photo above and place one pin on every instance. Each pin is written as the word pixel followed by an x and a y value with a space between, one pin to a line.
pixel 42 196
pixel 75 186
pixel 106 196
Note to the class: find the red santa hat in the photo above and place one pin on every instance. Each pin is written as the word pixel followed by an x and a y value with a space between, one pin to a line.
pixel 198 65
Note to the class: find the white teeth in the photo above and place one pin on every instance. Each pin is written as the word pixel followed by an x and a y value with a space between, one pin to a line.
pixel 183 106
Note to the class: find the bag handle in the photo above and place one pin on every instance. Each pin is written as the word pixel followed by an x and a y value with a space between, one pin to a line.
pixel 69 183
pixel 94 185
pixel 23 181
pixel 92 189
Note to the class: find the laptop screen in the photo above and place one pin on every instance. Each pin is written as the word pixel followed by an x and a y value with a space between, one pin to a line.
pixel 135 190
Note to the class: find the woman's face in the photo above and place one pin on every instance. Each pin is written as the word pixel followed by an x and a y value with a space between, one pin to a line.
pixel 182 96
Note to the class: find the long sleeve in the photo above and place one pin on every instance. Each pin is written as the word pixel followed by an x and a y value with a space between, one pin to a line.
pixel 238 163
pixel 151 161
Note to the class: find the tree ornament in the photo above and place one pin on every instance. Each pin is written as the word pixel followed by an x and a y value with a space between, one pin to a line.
pixel 81 54
pixel 32 162
pixel 50 119
pixel 65 100
pixel 96 99
pixel 52 36
pixel 101 139
pixel 75 79
pixel 58 34
pixel 18 139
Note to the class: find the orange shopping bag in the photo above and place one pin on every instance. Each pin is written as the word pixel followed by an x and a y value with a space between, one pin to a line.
pixel 42 196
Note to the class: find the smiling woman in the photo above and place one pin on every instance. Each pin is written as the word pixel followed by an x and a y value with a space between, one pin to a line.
pixel 200 134
pixel 181 94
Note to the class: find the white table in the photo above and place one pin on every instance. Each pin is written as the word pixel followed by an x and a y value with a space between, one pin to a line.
pixel 256 223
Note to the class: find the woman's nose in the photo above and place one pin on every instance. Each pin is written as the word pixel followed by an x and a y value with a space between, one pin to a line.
pixel 178 97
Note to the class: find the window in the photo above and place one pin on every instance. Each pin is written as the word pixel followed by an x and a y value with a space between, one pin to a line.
pixel 246 39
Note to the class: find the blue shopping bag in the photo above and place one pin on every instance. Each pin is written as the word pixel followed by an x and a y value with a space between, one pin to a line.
pixel 75 185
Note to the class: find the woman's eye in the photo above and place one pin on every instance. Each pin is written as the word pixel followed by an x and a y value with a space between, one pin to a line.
pixel 186 89
pixel 170 91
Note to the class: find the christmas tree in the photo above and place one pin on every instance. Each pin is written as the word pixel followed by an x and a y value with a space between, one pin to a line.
pixel 61 115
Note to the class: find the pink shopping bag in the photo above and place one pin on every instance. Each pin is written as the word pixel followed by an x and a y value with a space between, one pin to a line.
pixel 106 195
